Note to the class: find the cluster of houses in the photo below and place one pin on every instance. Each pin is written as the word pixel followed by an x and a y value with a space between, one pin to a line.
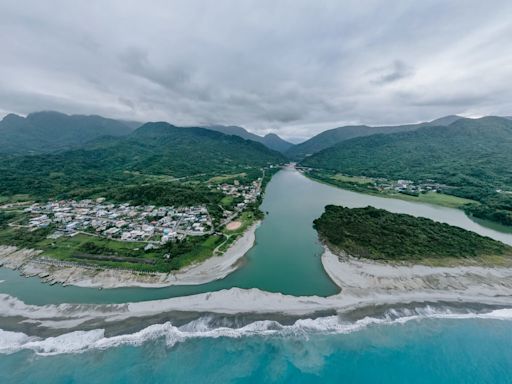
pixel 248 193
pixel 408 186
pixel 123 221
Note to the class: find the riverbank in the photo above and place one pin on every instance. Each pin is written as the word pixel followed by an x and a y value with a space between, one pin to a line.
pixel 29 263
pixel 287 255
pixel 432 198
pixel 366 278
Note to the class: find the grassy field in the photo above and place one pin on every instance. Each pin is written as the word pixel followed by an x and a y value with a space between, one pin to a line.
pixel 201 252
pixel 227 201
pixel 353 179
pixel 247 219
pixel 125 255
pixel 360 184
pixel 225 178
pixel 433 198
pixel 65 247
pixel 14 199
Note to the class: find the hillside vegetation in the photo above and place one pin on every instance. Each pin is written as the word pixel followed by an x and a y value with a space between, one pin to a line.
pixel 334 136
pixel 152 165
pixel 381 235
pixel 472 158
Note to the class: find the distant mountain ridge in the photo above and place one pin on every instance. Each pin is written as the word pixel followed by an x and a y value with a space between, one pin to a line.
pixel 153 150
pixel 270 140
pixel 48 131
pixel 381 154
pixel 334 136
pixel 473 157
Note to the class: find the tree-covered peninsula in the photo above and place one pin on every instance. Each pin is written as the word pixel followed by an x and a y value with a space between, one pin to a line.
pixel 381 235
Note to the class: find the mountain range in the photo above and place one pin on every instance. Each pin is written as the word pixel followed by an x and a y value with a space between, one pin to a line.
pixel 334 136
pixel 471 157
pixel 155 151
pixel 465 146
pixel 51 131
pixel 48 131
pixel 270 140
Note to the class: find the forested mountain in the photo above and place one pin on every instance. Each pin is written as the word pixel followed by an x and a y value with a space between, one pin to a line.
pixel 274 142
pixel 155 152
pixel 270 140
pixel 473 157
pixel 334 136
pixel 42 132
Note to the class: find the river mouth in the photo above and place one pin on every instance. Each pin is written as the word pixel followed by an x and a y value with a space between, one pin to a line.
pixel 286 257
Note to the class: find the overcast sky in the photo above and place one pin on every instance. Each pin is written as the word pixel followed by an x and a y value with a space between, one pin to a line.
pixel 290 67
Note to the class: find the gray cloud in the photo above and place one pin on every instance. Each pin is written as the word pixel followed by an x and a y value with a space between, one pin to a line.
pixel 396 71
pixel 293 67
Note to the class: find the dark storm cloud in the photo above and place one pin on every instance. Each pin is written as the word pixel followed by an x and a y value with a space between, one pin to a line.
pixel 291 67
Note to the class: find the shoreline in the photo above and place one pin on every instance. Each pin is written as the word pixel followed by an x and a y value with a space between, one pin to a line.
pixel 26 262
pixel 365 285
pixel 359 277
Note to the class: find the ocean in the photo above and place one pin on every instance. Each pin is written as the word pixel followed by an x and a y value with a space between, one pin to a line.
pixel 419 348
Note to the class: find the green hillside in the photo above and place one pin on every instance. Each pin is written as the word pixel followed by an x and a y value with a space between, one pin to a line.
pixel 381 235
pixel 43 132
pixel 472 158
pixel 156 154
pixel 334 136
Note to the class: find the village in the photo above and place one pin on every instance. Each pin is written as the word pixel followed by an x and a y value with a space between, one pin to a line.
pixel 120 221
pixel 408 186
pixel 245 194
pixel 146 223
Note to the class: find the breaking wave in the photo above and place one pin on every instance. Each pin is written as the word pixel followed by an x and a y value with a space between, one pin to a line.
pixel 204 327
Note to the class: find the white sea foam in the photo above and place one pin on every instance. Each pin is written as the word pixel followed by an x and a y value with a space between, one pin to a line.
pixel 81 341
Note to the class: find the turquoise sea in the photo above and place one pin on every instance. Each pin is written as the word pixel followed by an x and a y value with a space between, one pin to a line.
pixel 425 344
pixel 420 351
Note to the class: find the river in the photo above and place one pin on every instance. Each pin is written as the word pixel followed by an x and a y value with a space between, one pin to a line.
pixel 285 258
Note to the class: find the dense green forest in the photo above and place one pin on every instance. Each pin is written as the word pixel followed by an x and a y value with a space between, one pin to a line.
pixel 472 158
pixel 381 235
pixel 158 164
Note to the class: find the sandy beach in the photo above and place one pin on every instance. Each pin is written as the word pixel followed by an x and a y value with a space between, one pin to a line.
pixel 363 278
pixel 363 284
pixel 29 264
